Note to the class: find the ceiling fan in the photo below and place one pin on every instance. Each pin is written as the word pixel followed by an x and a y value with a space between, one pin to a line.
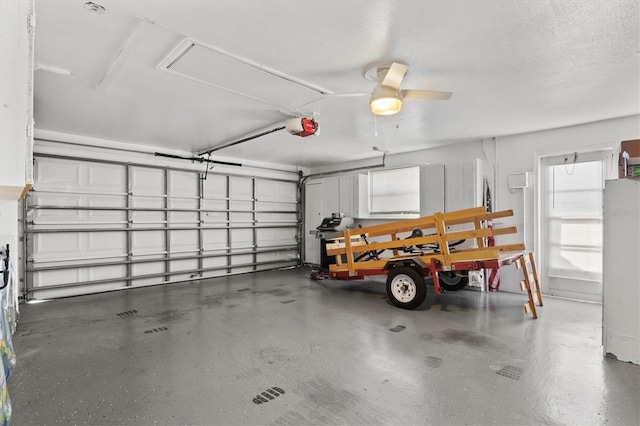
pixel 387 97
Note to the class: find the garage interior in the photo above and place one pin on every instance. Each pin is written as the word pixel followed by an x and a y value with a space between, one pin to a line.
pixel 166 166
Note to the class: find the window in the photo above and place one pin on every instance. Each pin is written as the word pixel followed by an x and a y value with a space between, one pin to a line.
pixel 574 220
pixel 395 191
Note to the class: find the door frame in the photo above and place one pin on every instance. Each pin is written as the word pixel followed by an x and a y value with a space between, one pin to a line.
pixel 610 170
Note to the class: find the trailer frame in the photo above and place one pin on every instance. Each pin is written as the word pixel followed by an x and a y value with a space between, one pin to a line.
pixel 403 270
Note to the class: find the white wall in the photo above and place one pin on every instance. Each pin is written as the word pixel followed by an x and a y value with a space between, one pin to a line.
pixel 16 112
pixel 518 153
pixel 16 99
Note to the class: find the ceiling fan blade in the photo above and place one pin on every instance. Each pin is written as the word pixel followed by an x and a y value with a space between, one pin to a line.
pixel 425 95
pixel 395 75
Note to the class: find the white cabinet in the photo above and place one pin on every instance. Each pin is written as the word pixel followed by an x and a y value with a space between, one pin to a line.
pixel 621 270
pixel 346 194
pixel 451 186
pixel 463 185
pixel 354 196
pixel 431 189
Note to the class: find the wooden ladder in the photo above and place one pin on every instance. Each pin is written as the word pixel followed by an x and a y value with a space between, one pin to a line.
pixel 530 283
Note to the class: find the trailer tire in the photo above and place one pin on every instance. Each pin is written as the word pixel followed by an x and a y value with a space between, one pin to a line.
pixel 406 287
pixel 450 281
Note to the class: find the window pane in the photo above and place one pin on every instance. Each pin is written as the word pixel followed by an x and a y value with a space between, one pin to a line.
pixel 575 220
pixel 395 191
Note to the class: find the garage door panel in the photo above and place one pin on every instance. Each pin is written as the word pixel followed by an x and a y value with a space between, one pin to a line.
pixel 241 238
pixel 187 265
pixel 148 242
pixel 277 218
pixel 182 241
pixel 148 217
pixel 107 217
pixel 184 265
pixel 215 273
pixel 55 199
pixel 105 178
pixel 95 196
pixel 78 291
pixel 148 268
pixel 263 206
pixel 243 219
pixel 49 278
pixel 276 191
pixel 95 273
pixel 242 260
pixel 214 239
pixel 182 217
pixel 147 181
pixel 214 262
pixel 81 274
pixel 183 184
pixel 241 188
pixel 220 205
pixel 58 175
pixel 46 217
pixel 276 237
pixel 106 243
pixel 215 187
pixel 283 256
pixel 48 247
pixel 215 218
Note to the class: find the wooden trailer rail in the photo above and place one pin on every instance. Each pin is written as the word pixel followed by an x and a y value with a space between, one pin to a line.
pixel 350 247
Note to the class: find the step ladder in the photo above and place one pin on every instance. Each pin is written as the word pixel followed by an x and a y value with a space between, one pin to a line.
pixel 530 283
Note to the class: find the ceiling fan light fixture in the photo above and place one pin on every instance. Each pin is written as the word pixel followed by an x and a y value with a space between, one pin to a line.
pixel 385 101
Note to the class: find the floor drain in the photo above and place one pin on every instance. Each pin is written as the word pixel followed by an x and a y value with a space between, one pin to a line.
pixel 244 289
pixel 156 330
pixel 127 313
pixel 268 395
pixel 397 328
pixel 433 361
pixel 511 372
pixel 288 301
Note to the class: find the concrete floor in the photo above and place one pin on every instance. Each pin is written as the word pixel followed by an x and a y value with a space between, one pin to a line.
pixel 279 348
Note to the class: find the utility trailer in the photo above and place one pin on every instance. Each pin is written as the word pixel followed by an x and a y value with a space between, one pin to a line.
pixel 416 248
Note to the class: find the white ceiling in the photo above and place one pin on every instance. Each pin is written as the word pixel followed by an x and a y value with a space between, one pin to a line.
pixel 513 67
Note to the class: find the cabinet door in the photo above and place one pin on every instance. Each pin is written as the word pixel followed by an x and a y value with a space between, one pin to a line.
pixel 330 196
pixel 463 185
pixel 321 199
pixel 431 189
pixel 621 271
pixel 346 195
pixel 312 218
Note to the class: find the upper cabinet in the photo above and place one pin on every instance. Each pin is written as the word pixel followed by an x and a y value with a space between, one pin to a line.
pixel 451 186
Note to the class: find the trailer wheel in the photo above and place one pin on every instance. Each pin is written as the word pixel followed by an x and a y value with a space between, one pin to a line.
pixel 451 281
pixel 406 287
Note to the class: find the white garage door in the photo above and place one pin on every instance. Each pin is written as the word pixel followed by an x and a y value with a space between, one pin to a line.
pixel 95 226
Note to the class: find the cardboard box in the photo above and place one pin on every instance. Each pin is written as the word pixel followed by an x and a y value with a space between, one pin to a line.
pixel 629 156
pixel 632 147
